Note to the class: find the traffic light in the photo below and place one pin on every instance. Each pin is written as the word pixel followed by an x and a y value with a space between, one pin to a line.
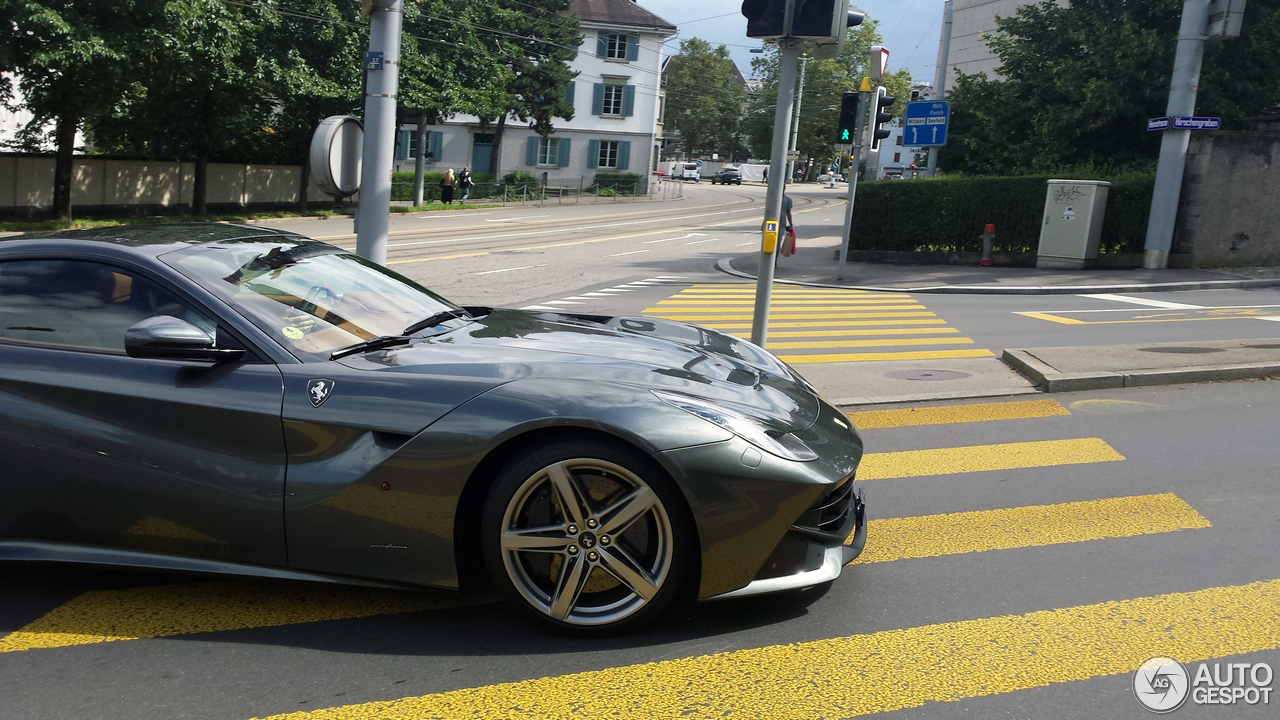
pixel 766 19
pixel 848 118
pixel 824 20
pixel 880 117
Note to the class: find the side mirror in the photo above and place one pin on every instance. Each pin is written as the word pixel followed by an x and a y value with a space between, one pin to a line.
pixel 165 336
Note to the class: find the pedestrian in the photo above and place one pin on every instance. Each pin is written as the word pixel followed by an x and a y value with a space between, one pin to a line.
pixel 446 187
pixel 787 243
pixel 464 182
pixel 766 176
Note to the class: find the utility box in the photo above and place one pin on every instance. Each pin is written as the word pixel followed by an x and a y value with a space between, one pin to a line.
pixel 1073 214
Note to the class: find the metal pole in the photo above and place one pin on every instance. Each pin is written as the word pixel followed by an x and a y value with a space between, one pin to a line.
pixel 419 162
pixel 1173 146
pixel 379 132
pixel 777 185
pixel 863 98
pixel 795 125
pixel 940 76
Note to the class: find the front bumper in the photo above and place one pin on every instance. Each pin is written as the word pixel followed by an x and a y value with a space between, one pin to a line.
pixel 830 535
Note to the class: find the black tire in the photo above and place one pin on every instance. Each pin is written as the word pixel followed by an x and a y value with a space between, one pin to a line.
pixel 609 584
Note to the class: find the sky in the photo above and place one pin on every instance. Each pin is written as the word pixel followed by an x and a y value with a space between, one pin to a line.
pixel 910 29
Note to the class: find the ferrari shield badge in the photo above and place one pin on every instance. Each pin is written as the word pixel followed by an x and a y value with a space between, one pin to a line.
pixel 318 391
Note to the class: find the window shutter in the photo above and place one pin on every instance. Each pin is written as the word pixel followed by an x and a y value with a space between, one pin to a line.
pixel 531 151
pixel 564 152
pixel 597 99
pixel 402 145
pixel 593 154
pixel 568 92
pixel 602 44
pixel 629 100
pixel 633 47
pixel 437 145
pixel 624 154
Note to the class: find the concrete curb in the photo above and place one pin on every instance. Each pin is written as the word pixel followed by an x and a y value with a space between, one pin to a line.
pixel 1051 380
pixel 723 265
pixel 930 397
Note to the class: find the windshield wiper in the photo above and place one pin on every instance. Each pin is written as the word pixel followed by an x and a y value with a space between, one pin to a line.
pixel 435 320
pixel 377 343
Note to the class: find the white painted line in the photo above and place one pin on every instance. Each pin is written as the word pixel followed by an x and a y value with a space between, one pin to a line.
pixel 1144 301
pixel 1275 318
pixel 562 302
pixel 522 267
pixel 596 295
pixel 1129 310
pixel 697 242
pixel 518 217
pixel 539 307
pixel 682 237
pixel 633 252
pixel 672 277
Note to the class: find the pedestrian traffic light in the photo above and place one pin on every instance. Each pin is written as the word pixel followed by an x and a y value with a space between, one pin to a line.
pixel 766 19
pixel 848 118
pixel 880 117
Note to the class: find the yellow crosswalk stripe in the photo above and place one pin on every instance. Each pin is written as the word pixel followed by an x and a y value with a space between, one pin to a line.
pixel 980 412
pixel 980 458
pixel 852 332
pixel 825 323
pixel 162 611
pixel 876 342
pixel 884 671
pixel 680 301
pixel 677 311
pixel 875 357
pixel 794 316
pixel 1031 526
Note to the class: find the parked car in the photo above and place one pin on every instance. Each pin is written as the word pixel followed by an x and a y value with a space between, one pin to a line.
pixel 231 399
pixel 826 178
pixel 690 171
pixel 727 176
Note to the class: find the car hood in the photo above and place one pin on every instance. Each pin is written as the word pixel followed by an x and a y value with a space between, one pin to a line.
pixel 647 353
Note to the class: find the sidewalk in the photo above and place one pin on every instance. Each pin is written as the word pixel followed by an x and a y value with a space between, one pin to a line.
pixel 1026 370
pixel 813 265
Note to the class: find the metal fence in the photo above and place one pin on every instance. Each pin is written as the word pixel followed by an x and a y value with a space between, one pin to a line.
pixel 611 191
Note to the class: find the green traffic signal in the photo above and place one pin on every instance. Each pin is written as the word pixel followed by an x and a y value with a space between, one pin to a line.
pixel 848 117
pixel 844 135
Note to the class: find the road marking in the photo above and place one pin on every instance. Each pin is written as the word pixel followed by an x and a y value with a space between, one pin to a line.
pixel 1188 314
pixel 982 458
pixel 633 252
pixel 676 312
pixel 540 307
pixel 945 415
pixel 518 217
pixel 822 323
pixel 699 242
pixel 522 267
pixel 752 242
pixel 850 332
pixel 875 342
pixel 1144 301
pixel 802 316
pixel 885 671
pixel 888 356
pixel 1030 526
pixel 682 237
pixel 166 610
pixel 562 302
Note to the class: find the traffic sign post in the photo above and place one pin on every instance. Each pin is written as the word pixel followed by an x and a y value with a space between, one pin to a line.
pixel 926 124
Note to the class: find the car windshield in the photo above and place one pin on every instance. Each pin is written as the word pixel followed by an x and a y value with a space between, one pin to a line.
pixel 311 297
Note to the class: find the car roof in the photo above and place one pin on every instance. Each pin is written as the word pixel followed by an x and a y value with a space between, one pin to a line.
pixel 154 239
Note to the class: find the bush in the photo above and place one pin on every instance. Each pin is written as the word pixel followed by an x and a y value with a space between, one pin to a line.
pixel 606 192
pixel 520 177
pixel 620 182
pixel 947 214
pixel 402 185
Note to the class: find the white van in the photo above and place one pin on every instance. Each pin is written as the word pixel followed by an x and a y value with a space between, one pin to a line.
pixel 689 171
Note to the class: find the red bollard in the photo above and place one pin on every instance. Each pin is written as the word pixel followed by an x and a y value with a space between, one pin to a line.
pixel 988 235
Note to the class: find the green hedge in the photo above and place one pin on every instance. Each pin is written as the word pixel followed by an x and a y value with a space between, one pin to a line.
pixel 948 214
pixel 402 186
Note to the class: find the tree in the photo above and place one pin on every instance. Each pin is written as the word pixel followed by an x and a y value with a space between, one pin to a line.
pixel 530 45
pixel 1079 83
pixel 200 89
pixel 73 61
pixel 825 83
pixel 704 99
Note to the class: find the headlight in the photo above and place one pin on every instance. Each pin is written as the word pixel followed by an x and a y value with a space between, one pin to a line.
pixel 783 445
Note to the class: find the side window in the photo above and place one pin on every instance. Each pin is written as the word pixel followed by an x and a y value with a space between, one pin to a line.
pixel 81 305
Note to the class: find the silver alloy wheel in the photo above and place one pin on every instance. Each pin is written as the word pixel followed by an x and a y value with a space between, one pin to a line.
pixel 586 542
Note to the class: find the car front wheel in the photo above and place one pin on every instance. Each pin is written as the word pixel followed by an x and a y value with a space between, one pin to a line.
pixel 591 539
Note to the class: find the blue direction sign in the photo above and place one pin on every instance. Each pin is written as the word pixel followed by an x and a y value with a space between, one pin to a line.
pixel 1184 123
pixel 373 60
pixel 926 123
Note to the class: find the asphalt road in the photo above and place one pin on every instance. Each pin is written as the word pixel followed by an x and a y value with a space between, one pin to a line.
pixel 1026 553
pixel 1024 558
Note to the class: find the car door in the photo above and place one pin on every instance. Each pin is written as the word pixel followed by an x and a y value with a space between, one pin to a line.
pixel 102 449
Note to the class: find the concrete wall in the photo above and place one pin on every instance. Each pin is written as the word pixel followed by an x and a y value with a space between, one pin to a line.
pixel 26 184
pixel 1229 210
pixel 969 20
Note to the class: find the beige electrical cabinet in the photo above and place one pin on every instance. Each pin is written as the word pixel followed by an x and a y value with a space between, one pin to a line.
pixel 1073 214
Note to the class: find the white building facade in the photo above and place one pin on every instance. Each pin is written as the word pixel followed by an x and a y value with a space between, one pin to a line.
pixel 617 101
pixel 971 19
